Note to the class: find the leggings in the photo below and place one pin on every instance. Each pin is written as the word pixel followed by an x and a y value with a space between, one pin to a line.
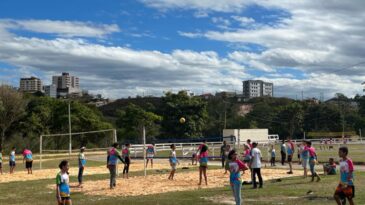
pixel 236 188
pixel 126 165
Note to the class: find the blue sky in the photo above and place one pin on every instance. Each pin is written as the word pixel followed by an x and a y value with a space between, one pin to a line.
pixel 126 48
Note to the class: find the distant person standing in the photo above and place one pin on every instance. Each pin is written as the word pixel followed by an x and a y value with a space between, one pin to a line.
pixel 203 164
pixel 304 155
pixel 283 152
pixel 173 161
pixel 223 153
pixel 248 141
pixel 290 150
pixel 273 155
pixel 28 159
pixel 82 163
pixel 312 160
pixel 126 153
pixel 226 152
pixel 346 188
pixel 150 153
pixel 256 165
pixel 112 159
pixel 12 160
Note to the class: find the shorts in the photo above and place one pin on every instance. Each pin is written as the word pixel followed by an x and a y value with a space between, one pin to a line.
pixel 29 165
pixel 348 191
pixel 304 163
pixel 150 156
pixel 173 166
pixel 12 163
pixel 203 164
pixel 1 165
pixel 290 158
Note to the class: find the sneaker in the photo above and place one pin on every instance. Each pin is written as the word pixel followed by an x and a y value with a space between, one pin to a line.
pixel 289 172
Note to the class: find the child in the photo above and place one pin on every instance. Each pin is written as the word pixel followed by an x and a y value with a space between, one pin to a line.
pixel 346 188
pixel 113 156
pixel 273 155
pixel 226 152
pixel 246 153
pixel 1 161
pixel 28 158
pixel 150 153
pixel 194 160
pixel 290 151
pixel 62 185
pixel 330 167
pixel 12 160
pixel 127 159
pixel 203 161
pixel 312 160
pixel 173 161
pixel 283 152
pixel 304 155
pixel 256 165
pixel 235 168
pixel 82 163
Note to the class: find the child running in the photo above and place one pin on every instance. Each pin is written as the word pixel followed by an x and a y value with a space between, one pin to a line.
pixel 63 194
pixel 173 161
pixel 150 153
pixel 112 159
pixel 82 163
pixel 203 164
pixel 312 160
pixel 12 160
pixel 28 158
pixel 346 188
pixel 127 159
pixel 235 168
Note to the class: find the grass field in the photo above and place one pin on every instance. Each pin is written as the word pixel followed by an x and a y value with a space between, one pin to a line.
pixel 289 191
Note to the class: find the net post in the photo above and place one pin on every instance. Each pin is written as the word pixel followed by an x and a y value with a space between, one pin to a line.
pixel 144 151
pixel 40 152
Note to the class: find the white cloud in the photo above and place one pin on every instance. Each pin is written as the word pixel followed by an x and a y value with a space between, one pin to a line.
pixel 244 21
pixel 61 28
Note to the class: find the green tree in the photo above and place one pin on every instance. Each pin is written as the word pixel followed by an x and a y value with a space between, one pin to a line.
pixel 132 119
pixel 12 107
pixel 193 109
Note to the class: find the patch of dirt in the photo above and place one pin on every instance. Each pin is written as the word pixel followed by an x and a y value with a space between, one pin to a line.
pixel 158 183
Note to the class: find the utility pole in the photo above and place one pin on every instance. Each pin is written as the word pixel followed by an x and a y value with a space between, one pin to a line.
pixel 69 128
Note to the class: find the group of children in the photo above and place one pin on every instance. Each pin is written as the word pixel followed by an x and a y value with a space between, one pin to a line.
pixel 27 159
pixel 251 160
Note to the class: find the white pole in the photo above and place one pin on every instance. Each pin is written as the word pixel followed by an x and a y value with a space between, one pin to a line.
pixel 144 150
pixel 69 128
pixel 360 135
pixel 239 139
pixel 115 135
pixel 40 152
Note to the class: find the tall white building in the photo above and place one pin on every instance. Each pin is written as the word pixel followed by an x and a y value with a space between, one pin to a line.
pixel 66 85
pixel 257 88
pixel 31 84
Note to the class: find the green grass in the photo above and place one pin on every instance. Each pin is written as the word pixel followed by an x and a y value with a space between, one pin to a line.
pixel 36 192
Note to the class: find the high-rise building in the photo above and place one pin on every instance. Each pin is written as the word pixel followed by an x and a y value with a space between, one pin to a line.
pixel 66 85
pixel 31 84
pixel 50 90
pixel 257 88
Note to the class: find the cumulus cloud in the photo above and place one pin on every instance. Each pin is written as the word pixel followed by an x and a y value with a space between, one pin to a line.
pixel 119 71
pixel 61 28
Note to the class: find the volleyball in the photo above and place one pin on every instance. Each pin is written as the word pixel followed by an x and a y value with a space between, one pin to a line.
pixel 182 120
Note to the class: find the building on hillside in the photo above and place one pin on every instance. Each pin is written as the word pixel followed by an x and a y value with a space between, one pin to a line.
pixel 31 85
pixel 257 88
pixel 225 94
pixel 67 85
pixel 50 90
pixel 206 96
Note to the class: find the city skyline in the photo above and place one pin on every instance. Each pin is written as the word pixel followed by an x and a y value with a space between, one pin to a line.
pixel 128 48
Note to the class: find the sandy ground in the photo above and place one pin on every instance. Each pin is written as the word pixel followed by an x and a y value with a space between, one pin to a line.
pixel 51 173
pixel 158 183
